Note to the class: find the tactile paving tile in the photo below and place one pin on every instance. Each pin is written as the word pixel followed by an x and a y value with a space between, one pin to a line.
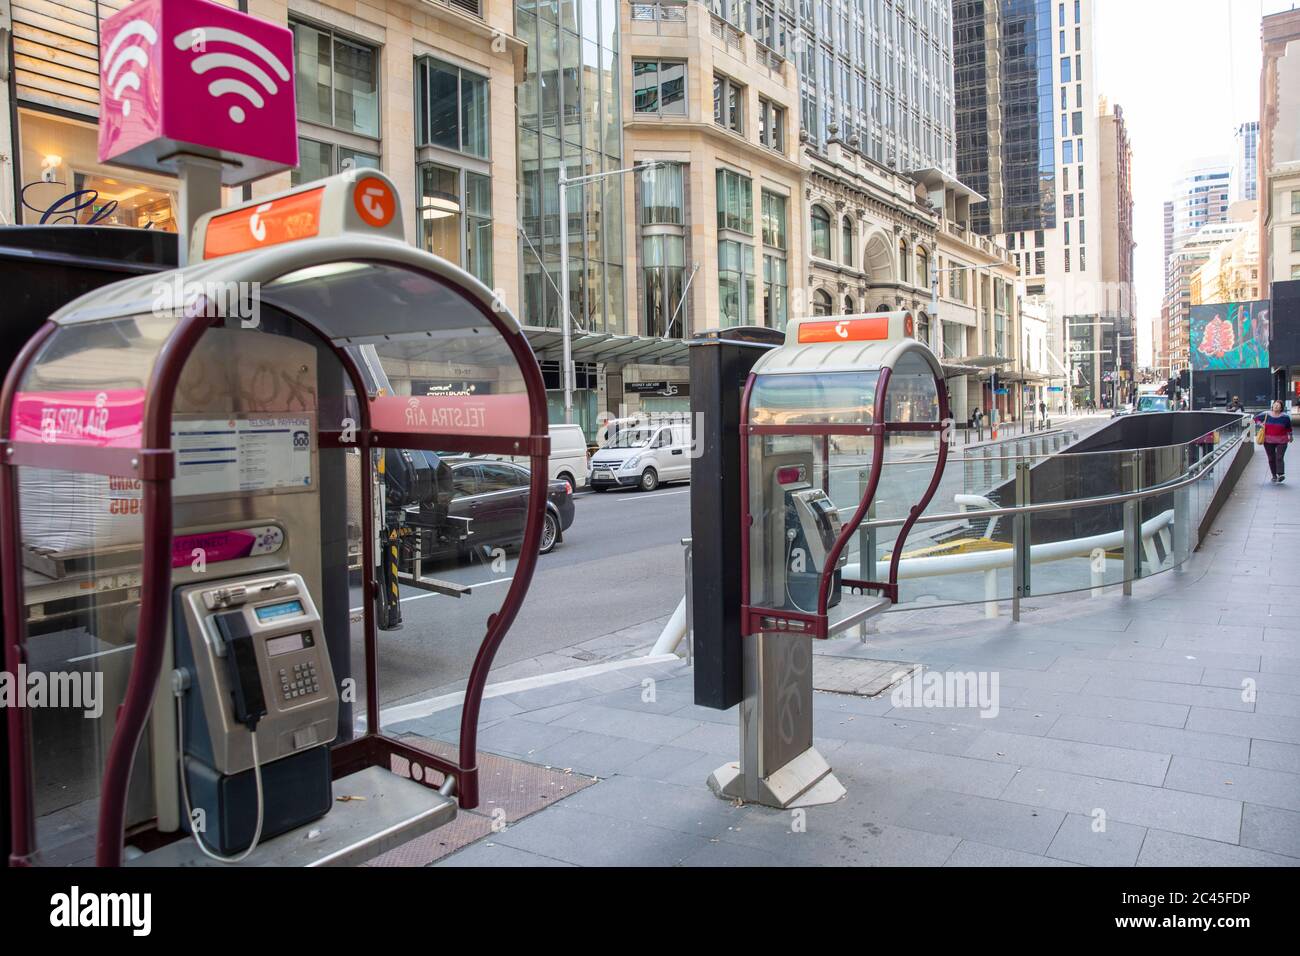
pixel 509 789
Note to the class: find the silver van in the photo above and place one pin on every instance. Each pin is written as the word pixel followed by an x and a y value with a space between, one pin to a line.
pixel 643 457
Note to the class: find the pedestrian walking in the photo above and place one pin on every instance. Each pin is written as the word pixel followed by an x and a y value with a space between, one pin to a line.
pixel 1275 433
pixel 1235 404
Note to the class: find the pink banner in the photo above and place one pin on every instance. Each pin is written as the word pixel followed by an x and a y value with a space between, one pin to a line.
pixel 486 416
pixel 113 418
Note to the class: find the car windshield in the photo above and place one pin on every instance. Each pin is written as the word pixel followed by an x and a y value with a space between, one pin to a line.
pixel 1153 403
pixel 633 438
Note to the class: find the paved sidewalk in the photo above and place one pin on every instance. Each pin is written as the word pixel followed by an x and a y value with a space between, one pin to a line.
pixel 1161 729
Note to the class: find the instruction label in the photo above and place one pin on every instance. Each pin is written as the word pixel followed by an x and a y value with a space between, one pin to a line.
pixel 220 456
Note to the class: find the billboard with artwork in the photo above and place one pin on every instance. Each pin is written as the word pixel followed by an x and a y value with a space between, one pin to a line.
pixel 1230 335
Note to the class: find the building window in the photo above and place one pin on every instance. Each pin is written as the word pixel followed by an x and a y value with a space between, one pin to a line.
pixel 456 217
pixel 1067 151
pixel 775 284
pixel 1076 123
pixel 1295 202
pixel 735 202
pixel 728 103
pixel 1065 69
pixel 659 87
pixel 773 220
pixel 1069 207
pixel 903 271
pixel 336 80
pixel 1065 178
pixel 923 328
pixel 821 233
pixel 1067 260
pixel 451 108
pixel 822 303
pixel 316 160
pixel 846 241
pixel 664 271
pixel 1295 238
pixel 661 195
pixel 922 267
pixel 735 282
pixel 1067 233
pixel 771 125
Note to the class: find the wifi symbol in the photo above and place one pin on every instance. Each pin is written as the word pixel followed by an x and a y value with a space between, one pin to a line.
pixel 197 39
pixel 127 51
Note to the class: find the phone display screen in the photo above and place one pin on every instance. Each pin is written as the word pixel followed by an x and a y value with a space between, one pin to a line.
pixel 271 612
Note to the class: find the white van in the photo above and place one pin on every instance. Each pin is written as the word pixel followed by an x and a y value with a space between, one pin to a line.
pixel 643 457
pixel 568 456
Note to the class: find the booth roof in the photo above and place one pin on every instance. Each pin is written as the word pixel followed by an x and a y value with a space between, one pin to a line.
pixel 264 266
pixel 843 356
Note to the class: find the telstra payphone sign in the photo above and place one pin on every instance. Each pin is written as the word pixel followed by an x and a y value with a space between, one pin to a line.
pixel 192 76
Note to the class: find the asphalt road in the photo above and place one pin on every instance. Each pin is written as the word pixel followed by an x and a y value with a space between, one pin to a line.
pixel 620 564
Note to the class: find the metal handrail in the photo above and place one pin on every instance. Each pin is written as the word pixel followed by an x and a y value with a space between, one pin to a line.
pixel 1071 502
pixel 1063 453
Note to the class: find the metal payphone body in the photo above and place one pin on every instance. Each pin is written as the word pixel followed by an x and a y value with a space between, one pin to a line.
pixel 818 412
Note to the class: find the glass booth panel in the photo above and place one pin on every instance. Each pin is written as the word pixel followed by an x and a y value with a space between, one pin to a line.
pixel 87 383
pixel 835 398
pixel 81 538
pixel 913 393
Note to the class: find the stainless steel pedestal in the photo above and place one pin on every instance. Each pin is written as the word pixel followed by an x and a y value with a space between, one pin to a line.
pixel 778 766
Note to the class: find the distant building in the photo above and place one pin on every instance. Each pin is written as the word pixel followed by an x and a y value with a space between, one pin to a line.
pixel 1244 184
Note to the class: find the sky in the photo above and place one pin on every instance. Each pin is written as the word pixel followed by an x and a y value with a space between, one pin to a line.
pixel 1186 73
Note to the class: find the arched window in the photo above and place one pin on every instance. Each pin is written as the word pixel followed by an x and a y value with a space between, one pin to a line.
pixel 846 241
pixel 849 305
pixel 922 267
pixel 923 328
pixel 821 233
pixel 822 304
pixel 903 271
pixel 883 307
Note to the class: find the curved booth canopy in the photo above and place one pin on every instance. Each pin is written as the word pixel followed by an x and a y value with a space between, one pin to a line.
pixel 239 409
pixel 821 414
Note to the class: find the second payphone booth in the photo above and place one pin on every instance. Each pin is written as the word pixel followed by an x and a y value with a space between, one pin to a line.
pixel 820 418
pixel 191 511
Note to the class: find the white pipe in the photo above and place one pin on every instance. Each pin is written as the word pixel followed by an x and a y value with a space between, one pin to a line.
pixel 986 561
pixel 673 631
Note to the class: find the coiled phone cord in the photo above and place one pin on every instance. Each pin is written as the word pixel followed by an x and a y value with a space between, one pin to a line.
pixel 185 792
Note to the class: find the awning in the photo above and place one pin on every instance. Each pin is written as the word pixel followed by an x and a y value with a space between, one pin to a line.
pixel 548 345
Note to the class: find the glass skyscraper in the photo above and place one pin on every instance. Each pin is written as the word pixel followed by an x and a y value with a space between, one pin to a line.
pixel 570 117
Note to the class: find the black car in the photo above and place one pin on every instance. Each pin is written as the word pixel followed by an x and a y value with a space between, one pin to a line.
pixel 491 499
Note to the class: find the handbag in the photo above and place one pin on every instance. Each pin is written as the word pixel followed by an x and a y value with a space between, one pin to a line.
pixel 1259 435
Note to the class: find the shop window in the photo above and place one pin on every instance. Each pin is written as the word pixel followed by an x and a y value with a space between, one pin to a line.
pixel 451 107
pixel 821 232
pixel 735 282
pixel 661 195
pixel 337 80
pixel 774 220
pixel 664 273
pixel 316 160
pixel 735 202
pixel 456 217
pixel 822 303
pixel 775 291
pixel 659 87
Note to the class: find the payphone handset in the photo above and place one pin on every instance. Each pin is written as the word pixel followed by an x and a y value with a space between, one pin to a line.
pixel 805 526
pixel 258 651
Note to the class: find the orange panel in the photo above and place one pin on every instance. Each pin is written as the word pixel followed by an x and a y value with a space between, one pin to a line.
pixel 268 224
pixel 874 329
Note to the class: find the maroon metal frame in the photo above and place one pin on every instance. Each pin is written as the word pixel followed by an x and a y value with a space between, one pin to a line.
pixel 153 465
pixel 758 619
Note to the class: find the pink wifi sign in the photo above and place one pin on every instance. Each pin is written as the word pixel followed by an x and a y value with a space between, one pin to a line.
pixel 189 76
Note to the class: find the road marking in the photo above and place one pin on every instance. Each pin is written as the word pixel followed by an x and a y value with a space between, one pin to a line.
pixel 423 708
pixel 429 594
pixel 662 494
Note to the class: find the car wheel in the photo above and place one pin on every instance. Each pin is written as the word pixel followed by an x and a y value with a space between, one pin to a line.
pixel 550 533
pixel 565 476
pixel 649 480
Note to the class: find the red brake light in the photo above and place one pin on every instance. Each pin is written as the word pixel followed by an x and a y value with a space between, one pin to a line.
pixel 568 488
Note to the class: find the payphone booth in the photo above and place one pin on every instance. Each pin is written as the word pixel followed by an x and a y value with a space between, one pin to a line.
pixel 190 507
pixel 841 399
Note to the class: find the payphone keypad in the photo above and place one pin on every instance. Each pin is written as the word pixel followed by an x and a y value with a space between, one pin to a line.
pixel 299 680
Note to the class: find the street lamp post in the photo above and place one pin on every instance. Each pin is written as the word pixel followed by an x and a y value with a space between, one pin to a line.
pixel 566 317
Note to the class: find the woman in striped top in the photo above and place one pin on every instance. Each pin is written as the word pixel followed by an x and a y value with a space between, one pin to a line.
pixel 1277 435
